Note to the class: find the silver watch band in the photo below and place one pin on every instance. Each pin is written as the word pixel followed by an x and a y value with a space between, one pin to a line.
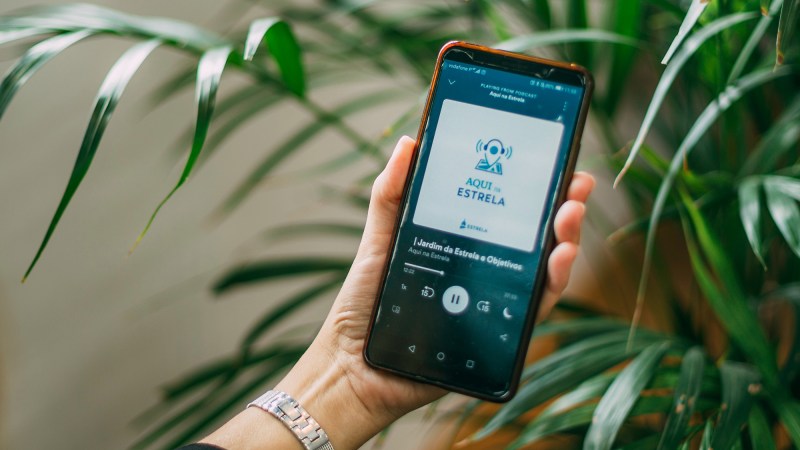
pixel 285 408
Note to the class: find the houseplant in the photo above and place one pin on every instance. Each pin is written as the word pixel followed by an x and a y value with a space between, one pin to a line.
pixel 723 126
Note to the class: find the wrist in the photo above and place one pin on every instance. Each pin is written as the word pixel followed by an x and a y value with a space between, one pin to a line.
pixel 321 385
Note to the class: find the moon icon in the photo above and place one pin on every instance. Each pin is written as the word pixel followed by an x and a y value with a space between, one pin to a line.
pixel 507 314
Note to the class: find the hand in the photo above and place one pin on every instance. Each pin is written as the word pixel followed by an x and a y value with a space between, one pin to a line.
pixel 349 399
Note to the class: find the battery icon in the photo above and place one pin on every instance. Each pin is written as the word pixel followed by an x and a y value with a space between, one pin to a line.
pixel 558 88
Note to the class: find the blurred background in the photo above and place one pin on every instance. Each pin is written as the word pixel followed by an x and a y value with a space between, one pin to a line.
pixel 102 349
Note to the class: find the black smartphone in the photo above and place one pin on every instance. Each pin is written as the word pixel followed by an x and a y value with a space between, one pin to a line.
pixel 495 153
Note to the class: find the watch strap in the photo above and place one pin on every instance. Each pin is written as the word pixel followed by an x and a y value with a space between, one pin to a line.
pixel 297 419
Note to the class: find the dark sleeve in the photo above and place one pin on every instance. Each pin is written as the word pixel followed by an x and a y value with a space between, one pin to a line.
pixel 200 447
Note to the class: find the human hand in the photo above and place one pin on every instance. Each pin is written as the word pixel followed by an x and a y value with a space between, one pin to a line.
pixel 351 400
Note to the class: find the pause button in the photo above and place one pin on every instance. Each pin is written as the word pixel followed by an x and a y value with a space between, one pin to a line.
pixel 455 300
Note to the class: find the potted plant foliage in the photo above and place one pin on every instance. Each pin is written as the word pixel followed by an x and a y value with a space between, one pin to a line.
pixel 700 350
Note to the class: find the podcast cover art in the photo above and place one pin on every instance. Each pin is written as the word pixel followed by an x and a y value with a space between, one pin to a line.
pixel 487 174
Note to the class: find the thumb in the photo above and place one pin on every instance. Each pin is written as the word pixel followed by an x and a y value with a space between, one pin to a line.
pixel 387 193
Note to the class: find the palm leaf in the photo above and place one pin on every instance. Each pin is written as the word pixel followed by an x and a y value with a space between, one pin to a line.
pixel 33 60
pixel 687 391
pixel 315 229
pixel 788 410
pixel 209 73
pixel 209 409
pixel 582 416
pixel 626 18
pixel 620 397
pixel 790 15
pixel 577 18
pixel 750 214
pixel 709 115
pixel 275 315
pixel 270 269
pixel 562 371
pixel 7 36
pixel 755 37
pixel 590 389
pixel 528 42
pixel 739 384
pixel 760 431
pixel 708 431
pixel 692 16
pixel 107 98
pixel 782 195
pixel 290 145
pixel 726 297
pixel 283 48
pixel 781 138
pixel 541 9
pixel 671 72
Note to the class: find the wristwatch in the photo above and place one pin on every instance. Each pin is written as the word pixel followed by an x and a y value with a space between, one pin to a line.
pixel 285 408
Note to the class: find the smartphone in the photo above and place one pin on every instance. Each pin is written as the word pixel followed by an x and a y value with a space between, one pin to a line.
pixel 495 153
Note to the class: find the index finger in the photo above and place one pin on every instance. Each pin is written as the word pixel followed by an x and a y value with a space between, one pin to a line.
pixel 580 187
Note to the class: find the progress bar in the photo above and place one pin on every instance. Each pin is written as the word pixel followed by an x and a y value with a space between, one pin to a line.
pixel 425 269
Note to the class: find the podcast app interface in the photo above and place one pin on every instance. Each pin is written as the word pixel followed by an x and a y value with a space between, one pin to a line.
pixel 461 275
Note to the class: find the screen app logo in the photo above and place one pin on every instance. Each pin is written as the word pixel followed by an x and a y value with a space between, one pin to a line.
pixel 491 154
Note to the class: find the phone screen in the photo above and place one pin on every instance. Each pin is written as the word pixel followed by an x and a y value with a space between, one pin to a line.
pixel 460 280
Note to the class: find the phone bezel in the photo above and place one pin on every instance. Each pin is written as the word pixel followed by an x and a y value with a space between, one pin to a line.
pixel 568 73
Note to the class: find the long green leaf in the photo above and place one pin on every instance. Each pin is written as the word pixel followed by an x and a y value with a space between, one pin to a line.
pixel 33 60
pixel 582 416
pixel 781 138
pixel 647 443
pixel 282 46
pixel 765 7
pixel 97 19
pixel 790 15
pixel 788 410
pixel 760 431
pixel 687 390
pixel 7 36
pixel 209 408
pixel 208 373
pixel 627 17
pixel 730 304
pixel 315 229
pixel 739 384
pixel 578 19
pixel 550 425
pixel 288 147
pixel 755 38
pixel 562 371
pixel 541 9
pixel 708 431
pixel 783 208
pixel 706 119
pixel 671 73
pixel 750 214
pixel 529 42
pixel 234 400
pixel 692 16
pixel 209 72
pixel 275 315
pixel 280 268
pixel 107 98
pixel 590 389
pixel 618 400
